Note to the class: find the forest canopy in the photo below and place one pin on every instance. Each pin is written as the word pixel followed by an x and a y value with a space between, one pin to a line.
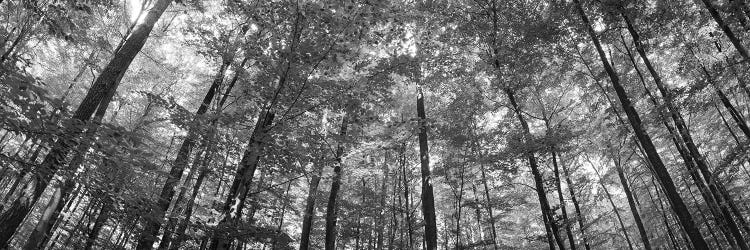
pixel 374 124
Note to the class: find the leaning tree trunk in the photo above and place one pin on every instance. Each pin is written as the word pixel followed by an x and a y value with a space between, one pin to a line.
pixel 242 181
pixel 331 208
pixel 695 154
pixel 658 167
pixel 105 82
pixel 633 208
pixel 107 207
pixel 152 226
pixel 179 234
pixel 614 207
pixel 726 29
pixel 428 199
pixel 51 212
pixel 538 179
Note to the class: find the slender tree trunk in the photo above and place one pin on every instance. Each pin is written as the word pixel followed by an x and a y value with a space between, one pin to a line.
pixel 568 230
pixel 309 216
pixel 726 29
pixel 428 200
pixel 382 208
pixel 331 208
pixel 459 206
pixel 147 238
pixel 182 228
pixel 538 179
pixel 688 140
pixel 646 143
pixel 106 82
pixel 663 213
pixel 633 208
pixel 407 209
pixel 281 218
pixel 614 207
pixel 577 206
pixel 101 219
pixel 242 181
pixel 489 206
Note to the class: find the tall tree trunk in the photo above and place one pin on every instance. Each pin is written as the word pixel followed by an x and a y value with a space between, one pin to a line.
pixel 614 207
pixel 107 81
pixel 736 115
pixel 631 203
pixel 678 205
pixel 309 215
pixel 663 213
pixel 331 207
pixel 538 179
pixel 726 29
pixel 51 212
pixel 382 208
pixel 407 201
pixel 147 238
pixel 428 199
pixel 101 219
pixel 279 227
pixel 179 234
pixel 577 206
pixel 568 230
pixel 687 138
pixel 242 181
pixel 459 206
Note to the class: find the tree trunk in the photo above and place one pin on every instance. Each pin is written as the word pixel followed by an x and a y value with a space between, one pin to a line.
pixel 614 207
pixel 428 200
pixel 309 216
pixel 657 165
pixel 538 179
pixel 568 230
pixel 577 207
pixel 151 229
pixel 663 213
pixel 101 219
pixel 382 208
pixel 107 81
pixel 182 228
pixel 631 203
pixel 727 30
pixel 688 140
pixel 331 208
pixel 407 201
pixel 242 181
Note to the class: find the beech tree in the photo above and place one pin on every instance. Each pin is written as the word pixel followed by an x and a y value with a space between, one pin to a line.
pixel 469 124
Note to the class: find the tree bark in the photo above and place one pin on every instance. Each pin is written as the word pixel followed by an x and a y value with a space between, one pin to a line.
pixel 428 199
pixel 678 205
pixel 331 207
